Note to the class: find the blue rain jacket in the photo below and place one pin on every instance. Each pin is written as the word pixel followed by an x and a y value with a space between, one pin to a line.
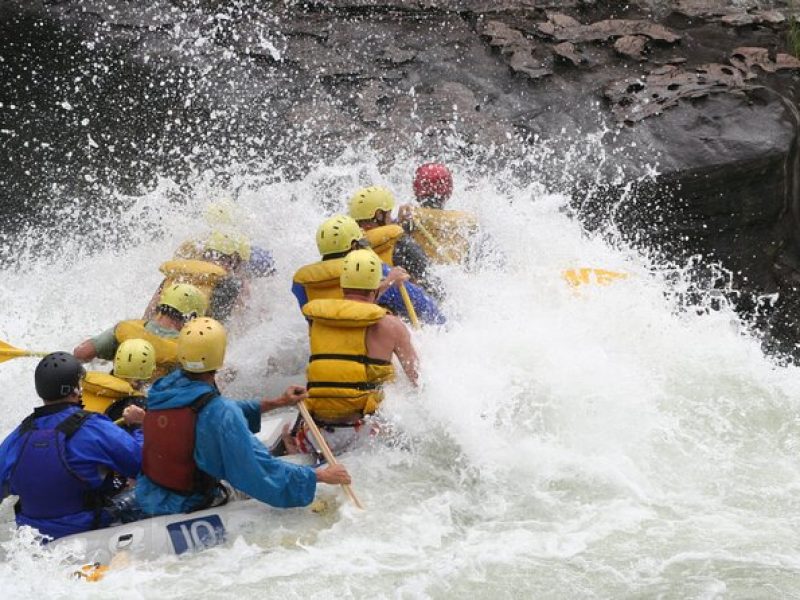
pixel 225 449
pixel 261 263
pixel 427 310
pixel 96 449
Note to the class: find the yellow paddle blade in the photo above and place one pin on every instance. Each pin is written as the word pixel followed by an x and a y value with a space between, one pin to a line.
pixel 587 276
pixel 7 352
pixel 91 573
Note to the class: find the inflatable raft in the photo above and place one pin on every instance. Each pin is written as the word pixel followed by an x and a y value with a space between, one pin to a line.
pixel 185 532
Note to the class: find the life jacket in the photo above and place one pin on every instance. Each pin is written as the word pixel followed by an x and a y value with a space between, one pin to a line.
pixel 102 392
pixel 321 279
pixel 168 451
pixel 166 348
pixel 46 485
pixel 343 381
pixel 202 274
pixel 444 234
pixel 383 240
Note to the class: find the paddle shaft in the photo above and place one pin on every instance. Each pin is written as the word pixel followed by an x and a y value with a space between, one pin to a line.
pixel 412 313
pixel 445 253
pixel 326 451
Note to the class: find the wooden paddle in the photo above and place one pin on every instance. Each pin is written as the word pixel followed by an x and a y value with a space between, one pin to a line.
pixel 326 451
pixel 412 313
pixel 444 253
pixel 7 352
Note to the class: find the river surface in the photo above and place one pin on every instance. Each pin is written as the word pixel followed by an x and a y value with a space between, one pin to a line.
pixel 605 442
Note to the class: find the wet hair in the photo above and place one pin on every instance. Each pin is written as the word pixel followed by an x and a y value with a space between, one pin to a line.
pixel 432 202
pixel 171 312
pixel 196 376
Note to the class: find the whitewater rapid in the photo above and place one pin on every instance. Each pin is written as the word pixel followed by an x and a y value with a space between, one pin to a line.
pixel 604 442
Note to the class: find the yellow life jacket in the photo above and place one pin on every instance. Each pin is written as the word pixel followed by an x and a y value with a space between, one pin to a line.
pixel 343 382
pixel 200 273
pixel 383 240
pixel 444 234
pixel 166 348
pixel 101 390
pixel 321 279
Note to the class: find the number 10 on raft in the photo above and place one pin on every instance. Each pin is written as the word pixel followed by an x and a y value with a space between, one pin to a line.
pixel 196 534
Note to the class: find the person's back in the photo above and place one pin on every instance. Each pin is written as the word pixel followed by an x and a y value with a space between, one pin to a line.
pixel 177 304
pixel 446 236
pixel 194 437
pixel 336 237
pixel 110 394
pixel 372 208
pixel 352 343
pixel 59 461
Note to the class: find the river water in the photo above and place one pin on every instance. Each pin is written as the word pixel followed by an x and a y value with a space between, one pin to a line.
pixel 604 442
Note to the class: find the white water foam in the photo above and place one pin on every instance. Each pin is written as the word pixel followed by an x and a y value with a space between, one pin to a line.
pixel 599 442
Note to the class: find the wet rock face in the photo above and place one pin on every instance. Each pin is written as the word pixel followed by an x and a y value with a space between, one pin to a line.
pixel 112 92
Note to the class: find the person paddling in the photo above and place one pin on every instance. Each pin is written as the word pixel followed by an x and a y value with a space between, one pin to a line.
pixel 220 273
pixel 336 238
pixel 178 304
pixel 195 437
pixel 446 236
pixel 372 208
pixel 111 393
pixel 60 461
pixel 353 341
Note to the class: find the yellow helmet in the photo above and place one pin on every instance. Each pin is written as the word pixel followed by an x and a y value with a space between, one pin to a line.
pixel 220 213
pixel 201 345
pixel 229 243
pixel 337 234
pixel 135 359
pixel 185 298
pixel 366 201
pixel 361 270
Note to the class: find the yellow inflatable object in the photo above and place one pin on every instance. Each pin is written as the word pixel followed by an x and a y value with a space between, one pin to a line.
pixel 444 234
pixel 587 275
pixel 321 279
pixel 101 390
pixel 382 240
pixel 200 273
pixel 166 348
pixel 343 382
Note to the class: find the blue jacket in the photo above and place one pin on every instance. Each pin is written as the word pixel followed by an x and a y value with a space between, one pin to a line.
pixel 261 263
pixel 225 449
pixel 426 308
pixel 96 449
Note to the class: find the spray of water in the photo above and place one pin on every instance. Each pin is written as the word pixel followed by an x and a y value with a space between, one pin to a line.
pixel 601 441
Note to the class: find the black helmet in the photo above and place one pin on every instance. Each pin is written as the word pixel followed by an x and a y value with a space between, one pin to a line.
pixel 57 375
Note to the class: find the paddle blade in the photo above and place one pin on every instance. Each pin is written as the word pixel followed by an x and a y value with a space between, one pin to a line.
pixel 7 352
pixel 588 276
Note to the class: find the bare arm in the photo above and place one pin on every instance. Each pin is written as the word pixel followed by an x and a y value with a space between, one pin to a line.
pixel 151 306
pixel 292 395
pixel 85 351
pixel 405 352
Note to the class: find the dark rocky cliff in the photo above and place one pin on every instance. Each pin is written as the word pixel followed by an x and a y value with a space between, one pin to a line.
pixel 100 94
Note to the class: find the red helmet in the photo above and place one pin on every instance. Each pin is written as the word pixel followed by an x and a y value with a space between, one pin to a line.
pixel 433 179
